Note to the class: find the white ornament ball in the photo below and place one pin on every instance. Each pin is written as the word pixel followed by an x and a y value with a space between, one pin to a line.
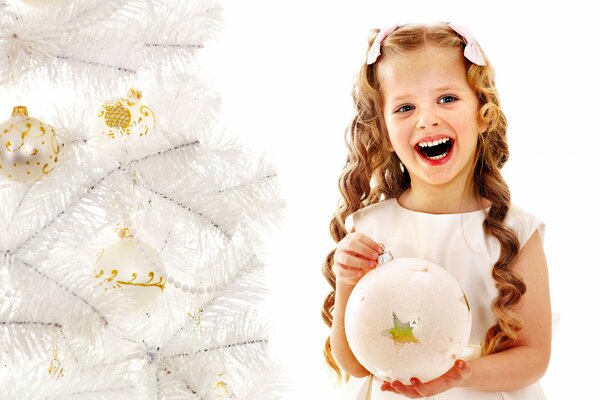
pixel 125 265
pixel 407 318
pixel 28 147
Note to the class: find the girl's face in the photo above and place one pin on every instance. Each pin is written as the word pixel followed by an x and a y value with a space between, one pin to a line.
pixel 430 112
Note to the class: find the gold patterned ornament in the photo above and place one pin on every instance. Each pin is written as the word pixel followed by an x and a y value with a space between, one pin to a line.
pixel 132 266
pixel 29 147
pixel 126 116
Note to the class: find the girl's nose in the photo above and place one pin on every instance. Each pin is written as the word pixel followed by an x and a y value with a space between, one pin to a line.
pixel 427 119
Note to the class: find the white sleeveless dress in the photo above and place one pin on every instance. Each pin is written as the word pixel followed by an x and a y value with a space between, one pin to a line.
pixel 457 243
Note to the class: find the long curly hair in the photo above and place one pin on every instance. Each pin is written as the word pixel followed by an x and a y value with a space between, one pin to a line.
pixel 372 173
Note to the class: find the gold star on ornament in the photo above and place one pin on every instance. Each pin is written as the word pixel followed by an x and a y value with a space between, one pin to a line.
pixel 402 332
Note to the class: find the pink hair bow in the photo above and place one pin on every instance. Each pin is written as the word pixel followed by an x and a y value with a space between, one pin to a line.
pixel 472 50
pixel 375 49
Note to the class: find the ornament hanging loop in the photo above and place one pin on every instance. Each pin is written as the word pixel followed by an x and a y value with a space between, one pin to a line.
pixel 55 369
pixel 385 257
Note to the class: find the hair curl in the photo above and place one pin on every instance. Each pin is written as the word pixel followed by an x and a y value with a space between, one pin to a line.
pixel 372 174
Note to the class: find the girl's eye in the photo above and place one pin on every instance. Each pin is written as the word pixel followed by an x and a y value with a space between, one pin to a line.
pixel 447 99
pixel 405 108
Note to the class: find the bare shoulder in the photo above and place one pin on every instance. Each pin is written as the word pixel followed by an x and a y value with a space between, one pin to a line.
pixel 534 306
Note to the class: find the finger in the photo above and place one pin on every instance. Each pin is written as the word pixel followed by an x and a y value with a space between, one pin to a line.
pixel 450 376
pixel 344 270
pixel 457 374
pixel 405 390
pixel 369 242
pixel 386 387
pixel 349 276
pixel 422 388
pixel 351 261
pixel 454 376
pixel 454 372
pixel 355 246
pixel 464 370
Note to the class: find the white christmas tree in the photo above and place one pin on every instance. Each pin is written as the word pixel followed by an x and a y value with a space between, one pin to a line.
pixel 130 220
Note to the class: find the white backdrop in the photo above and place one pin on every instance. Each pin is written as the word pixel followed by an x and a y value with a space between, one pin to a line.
pixel 286 75
pixel 286 78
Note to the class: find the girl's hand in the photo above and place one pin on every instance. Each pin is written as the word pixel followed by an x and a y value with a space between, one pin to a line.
pixel 355 255
pixel 453 378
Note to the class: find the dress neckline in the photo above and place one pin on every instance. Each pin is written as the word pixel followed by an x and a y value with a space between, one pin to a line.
pixel 408 210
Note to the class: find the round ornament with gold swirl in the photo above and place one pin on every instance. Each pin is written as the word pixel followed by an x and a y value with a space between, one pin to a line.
pixel 126 116
pixel 28 147
pixel 132 266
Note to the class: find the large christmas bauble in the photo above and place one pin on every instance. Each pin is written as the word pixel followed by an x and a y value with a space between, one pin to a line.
pixel 407 318
pixel 28 147
pixel 132 266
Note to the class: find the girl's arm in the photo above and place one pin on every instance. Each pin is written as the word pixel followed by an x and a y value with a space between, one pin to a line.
pixel 526 361
pixel 355 254
pixel 339 343
pixel 522 364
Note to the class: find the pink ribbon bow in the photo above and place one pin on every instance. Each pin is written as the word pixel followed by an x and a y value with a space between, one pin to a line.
pixel 472 50
pixel 375 49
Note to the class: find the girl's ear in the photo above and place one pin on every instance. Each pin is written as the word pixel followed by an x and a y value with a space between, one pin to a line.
pixel 482 126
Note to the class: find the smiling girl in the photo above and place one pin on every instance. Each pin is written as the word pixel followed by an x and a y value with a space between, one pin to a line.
pixel 426 146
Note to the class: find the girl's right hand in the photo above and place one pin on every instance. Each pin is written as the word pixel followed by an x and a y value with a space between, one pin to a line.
pixel 355 255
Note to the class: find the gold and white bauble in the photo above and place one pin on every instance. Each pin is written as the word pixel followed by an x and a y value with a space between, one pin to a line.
pixel 126 116
pixel 29 147
pixel 407 318
pixel 132 266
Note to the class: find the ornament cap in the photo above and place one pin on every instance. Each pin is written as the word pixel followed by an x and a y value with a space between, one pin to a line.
pixel 135 93
pixel 124 233
pixel 20 110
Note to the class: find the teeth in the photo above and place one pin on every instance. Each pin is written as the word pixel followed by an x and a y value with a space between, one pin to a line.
pixel 438 157
pixel 433 142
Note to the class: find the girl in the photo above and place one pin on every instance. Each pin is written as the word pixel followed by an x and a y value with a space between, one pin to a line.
pixel 423 178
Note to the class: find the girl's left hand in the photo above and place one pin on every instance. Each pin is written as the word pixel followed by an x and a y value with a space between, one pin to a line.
pixel 453 378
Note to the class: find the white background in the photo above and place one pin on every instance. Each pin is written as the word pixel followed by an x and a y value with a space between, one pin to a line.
pixel 286 78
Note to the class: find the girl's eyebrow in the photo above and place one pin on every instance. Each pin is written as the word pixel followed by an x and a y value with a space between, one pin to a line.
pixel 403 96
pixel 449 88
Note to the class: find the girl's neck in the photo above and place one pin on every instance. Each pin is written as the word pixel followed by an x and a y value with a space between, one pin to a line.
pixel 440 200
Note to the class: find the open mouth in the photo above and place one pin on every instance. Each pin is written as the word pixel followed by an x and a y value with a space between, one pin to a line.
pixel 435 149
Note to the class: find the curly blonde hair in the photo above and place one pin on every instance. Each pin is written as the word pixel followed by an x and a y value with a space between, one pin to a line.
pixel 372 174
